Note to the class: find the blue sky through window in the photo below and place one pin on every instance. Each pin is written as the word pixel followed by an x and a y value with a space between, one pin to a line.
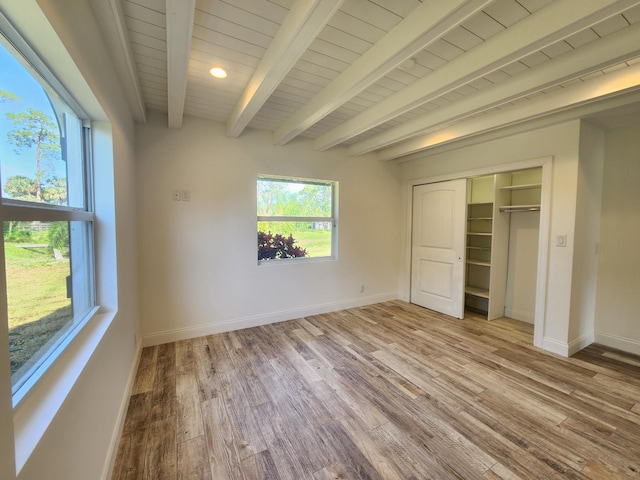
pixel 14 78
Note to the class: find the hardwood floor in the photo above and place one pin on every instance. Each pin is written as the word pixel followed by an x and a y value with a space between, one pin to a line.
pixel 388 391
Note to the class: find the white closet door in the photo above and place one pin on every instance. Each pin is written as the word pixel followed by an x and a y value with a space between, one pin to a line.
pixel 437 247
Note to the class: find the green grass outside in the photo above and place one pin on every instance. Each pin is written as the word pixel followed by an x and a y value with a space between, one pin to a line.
pixel 37 300
pixel 316 242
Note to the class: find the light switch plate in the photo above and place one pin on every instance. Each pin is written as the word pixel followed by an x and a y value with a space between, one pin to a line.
pixel 561 241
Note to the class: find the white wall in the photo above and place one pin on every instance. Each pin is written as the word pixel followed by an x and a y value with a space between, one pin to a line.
pixel 198 259
pixel 520 302
pixel 84 414
pixel 617 322
pixel 561 142
pixel 587 231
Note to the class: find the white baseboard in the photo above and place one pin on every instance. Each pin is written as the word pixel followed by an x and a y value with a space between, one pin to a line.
pixel 107 472
pixel 554 346
pixel 528 317
pixel 621 343
pixel 177 334
pixel 567 349
pixel 579 343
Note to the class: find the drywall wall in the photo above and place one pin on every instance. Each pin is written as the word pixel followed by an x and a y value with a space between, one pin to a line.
pixel 617 301
pixel 561 142
pixel 587 231
pixel 84 397
pixel 198 260
pixel 520 301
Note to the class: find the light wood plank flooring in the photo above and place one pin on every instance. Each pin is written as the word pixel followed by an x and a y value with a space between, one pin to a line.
pixel 388 391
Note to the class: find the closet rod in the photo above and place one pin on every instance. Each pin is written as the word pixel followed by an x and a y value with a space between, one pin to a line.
pixel 520 208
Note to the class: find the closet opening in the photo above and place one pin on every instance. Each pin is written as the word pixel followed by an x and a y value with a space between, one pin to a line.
pixel 496 247
pixel 503 225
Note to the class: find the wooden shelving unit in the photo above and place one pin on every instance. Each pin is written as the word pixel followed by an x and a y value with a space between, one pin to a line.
pixel 491 199
pixel 524 191
pixel 480 215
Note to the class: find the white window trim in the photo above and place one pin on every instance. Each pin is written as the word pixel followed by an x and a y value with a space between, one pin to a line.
pixel 20 210
pixel 333 219
pixel 39 405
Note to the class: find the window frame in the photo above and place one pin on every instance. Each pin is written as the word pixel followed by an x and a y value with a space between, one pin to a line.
pixel 25 211
pixel 333 219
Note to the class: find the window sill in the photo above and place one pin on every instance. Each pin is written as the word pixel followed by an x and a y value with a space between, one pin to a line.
pixel 295 261
pixel 37 402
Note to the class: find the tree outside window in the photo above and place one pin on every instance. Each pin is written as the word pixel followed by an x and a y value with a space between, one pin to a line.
pixel 295 218
pixel 47 237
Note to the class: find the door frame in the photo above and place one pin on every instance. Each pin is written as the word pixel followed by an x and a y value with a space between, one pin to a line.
pixel 545 225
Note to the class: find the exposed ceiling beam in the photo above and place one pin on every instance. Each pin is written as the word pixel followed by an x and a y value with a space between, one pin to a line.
pixel 300 27
pixel 424 25
pixel 622 108
pixel 617 84
pixel 179 15
pixel 596 55
pixel 556 21
pixel 110 17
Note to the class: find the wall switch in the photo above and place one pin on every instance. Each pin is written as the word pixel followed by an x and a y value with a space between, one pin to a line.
pixel 362 288
pixel 186 195
pixel 561 241
pixel 177 195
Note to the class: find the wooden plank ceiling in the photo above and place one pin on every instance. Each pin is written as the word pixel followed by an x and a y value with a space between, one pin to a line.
pixel 385 76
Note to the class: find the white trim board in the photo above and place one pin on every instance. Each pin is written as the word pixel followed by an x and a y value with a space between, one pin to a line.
pixel 554 346
pixel 230 325
pixel 629 345
pixel 581 342
pixel 110 462
pixel 567 349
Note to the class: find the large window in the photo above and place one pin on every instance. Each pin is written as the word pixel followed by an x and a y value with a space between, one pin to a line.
pixel 296 218
pixel 47 214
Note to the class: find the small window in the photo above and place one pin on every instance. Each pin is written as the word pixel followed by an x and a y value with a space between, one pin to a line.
pixel 296 218
pixel 47 214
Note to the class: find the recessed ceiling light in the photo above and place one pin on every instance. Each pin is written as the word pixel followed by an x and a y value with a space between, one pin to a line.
pixel 218 72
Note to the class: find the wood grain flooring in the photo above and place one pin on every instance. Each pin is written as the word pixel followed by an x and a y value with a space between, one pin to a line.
pixel 387 391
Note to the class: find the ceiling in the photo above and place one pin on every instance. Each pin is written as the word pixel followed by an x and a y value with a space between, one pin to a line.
pixel 394 77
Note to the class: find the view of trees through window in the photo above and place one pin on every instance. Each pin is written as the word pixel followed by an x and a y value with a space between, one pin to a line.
pixel 295 218
pixel 40 157
pixel 35 137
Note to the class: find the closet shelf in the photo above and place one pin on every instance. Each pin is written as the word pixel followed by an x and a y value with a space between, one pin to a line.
pixel 527 186
pixel 480 234
pixel 479 262
pixel 520 208
pixel 474 219
pixel 478 292
pixel 470 247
